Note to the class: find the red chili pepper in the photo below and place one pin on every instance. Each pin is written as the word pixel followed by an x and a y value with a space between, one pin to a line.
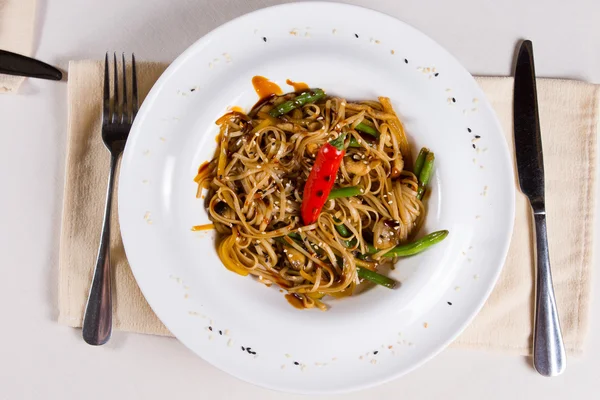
pixel 321 178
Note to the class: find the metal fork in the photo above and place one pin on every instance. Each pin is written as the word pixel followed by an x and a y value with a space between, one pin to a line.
pixel 116 124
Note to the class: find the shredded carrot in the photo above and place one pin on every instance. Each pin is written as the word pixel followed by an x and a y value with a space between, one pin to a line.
pixel 205 227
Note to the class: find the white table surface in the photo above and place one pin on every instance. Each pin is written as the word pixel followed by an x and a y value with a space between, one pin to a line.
pixel 41 360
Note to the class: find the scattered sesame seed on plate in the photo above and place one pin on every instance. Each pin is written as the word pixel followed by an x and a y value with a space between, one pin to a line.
pixel 373 361
pixel 392 51
pixel 425 325
pixel 230 342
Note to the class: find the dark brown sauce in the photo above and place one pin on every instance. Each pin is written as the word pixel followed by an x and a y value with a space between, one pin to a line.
pixel 264 87
pixel 295 301
pixel 298 86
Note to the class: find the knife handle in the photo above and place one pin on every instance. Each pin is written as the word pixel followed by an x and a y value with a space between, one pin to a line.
pixel 549 357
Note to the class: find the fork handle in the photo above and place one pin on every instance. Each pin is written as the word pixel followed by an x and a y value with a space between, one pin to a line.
pixel 97 322
pixel 549 357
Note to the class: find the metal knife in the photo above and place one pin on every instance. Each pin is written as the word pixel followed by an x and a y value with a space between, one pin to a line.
pixel 16 64
pixel 549 357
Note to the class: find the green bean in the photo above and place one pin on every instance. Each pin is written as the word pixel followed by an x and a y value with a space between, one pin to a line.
pixel 341 228
pixel 349 191
pixel 355 143
pixel 417 246
pixel 295 236
pixel 307 97
pixel 369 130
pixel 425 175
pixel 374 277
pixel 420 161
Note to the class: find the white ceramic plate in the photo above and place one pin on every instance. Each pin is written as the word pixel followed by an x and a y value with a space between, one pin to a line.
pixel 363 340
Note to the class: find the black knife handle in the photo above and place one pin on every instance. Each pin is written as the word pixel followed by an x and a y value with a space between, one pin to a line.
pixel 19 65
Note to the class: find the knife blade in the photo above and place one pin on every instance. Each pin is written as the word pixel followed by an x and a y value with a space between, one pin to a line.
pixel 549 357
pixel 19 65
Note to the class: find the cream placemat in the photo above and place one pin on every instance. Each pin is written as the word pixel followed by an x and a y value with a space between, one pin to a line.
pixel 569 115
pixel 16 34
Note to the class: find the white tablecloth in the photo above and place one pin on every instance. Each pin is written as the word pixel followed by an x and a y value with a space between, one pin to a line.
pixel 40 359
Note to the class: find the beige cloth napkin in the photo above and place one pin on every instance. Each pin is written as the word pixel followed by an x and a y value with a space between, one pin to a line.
pixel 569 115
pixel 16 34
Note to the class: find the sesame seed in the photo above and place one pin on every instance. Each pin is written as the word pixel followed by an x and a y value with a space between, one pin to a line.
pixel 453 100
pixel 264 39
pixel 425 325
pixel 230 342
pixel 288 356
pixel 469 129
pixel 474 146
pixel 373 361
pixel 356 35
pixel 221 332
pixel 296 363
pixel 210 328
pixel 243 348
pixel 375 352
pixel 477 137
pixel 405 61
pixel 392 51
pixel 449 303
pixel 436 74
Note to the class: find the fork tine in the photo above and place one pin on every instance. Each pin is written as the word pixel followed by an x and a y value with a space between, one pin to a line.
pixel 106 107
pixel 135 105
pixel 125 114
pixel 115 90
